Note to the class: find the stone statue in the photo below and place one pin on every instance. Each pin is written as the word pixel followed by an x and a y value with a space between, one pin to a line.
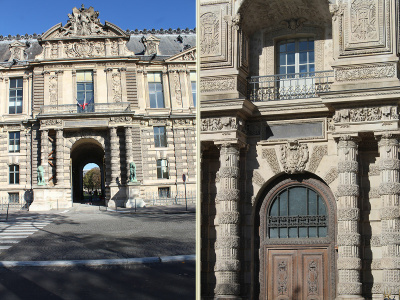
pixel 132 172
pixel 40 176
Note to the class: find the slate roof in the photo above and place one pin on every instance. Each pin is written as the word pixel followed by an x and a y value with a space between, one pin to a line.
pixel 171 42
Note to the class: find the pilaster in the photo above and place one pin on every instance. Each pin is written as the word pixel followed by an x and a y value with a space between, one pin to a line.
pixel 44 151
pixel 59 157
pixel 129 152
pixel 114 147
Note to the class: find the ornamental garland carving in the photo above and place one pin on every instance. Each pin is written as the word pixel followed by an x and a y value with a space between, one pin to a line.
pixel 217 84
pixel 50 122
pixel 120 119
pixel 53 90
pixel 365 73
pixel 318 153
pixel 258 179
pixel 270 155
pixel 209 34
pixel 294 157
pixel 177 87
pixel 116 86
pixel 348 214
pixel 331 175
pixel 366 114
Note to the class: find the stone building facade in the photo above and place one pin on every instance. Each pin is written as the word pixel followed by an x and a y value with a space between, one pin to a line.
pixel 299 145
pixel 88 92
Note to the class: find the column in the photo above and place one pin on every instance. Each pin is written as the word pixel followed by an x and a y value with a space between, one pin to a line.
pixel 128 148
pixel 59 157
pixel 348 216
pixel 389 166
pixel 227 264
pixel 44 160
pixel 114 148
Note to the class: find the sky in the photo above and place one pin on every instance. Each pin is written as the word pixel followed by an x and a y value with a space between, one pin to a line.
pixel 28 16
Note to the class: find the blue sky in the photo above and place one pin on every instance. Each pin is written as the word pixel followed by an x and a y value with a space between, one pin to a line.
pixel 20 17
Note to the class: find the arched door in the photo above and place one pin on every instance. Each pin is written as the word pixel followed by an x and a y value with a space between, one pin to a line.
pixel 297 241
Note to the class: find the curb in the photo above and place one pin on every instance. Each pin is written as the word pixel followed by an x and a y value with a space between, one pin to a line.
pixel 97 262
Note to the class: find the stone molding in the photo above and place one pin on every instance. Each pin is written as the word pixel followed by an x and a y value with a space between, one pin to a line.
pixel 347 166
pixel 348 214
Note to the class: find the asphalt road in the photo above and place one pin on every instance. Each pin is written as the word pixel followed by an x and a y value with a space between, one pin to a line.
pixel 173 280
pixel 87 233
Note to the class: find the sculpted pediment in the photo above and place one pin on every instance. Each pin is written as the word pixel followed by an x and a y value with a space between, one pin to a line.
pixel 83 36
pixel 83 23
pixel 187 55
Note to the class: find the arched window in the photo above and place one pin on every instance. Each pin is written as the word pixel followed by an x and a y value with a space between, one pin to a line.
pixel 297 212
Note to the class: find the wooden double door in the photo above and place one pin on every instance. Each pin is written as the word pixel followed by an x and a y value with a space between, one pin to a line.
pixel 297 274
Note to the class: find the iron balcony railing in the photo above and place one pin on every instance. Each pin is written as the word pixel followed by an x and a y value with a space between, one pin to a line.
pixel 87 109
pixel 289 86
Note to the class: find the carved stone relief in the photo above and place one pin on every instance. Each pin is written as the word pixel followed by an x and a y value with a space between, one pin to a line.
pixel 294 157
pixel 84 48
pixel 83 22
pixel 217 84
pixel 331 175
pixel 116 86
pixel 151 45
pixel 177 87
pixel 53 89
pixel 366 114
pixel 210 34
pixel 318 153
pixel 364 27
pixel 366 72
pixel 270 155
pixel 258 179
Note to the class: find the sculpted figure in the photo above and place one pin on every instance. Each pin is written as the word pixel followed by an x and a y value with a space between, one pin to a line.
pixel 40 176
pixel 132 172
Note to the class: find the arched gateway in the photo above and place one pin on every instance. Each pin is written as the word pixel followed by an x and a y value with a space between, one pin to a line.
pixel 83 152
pixel 296 234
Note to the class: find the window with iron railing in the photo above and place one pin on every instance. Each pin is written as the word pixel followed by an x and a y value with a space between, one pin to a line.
pixel 84 91
pixel 295 77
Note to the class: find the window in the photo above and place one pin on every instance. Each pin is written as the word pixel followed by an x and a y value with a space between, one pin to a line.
pixel 160 137
pixel 163 192
pixel 193 82
pixel 297 212
pixel 296 68
pixel 15 99
pixel 84 90
pixel 13 141
pixel 162 169
pixel 14 174
pixel 13 198
pixel 155 90
pixel 296 56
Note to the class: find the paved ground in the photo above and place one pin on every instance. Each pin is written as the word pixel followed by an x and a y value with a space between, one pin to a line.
pixel 92 233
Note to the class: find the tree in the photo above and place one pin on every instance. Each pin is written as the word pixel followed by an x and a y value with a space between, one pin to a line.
pixel 92 179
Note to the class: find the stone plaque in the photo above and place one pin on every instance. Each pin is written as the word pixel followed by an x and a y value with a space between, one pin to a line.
pixel 86 123
pixel 305 130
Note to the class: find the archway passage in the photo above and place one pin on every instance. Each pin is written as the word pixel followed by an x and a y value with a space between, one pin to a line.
pixel 83 152
pixel 297 240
